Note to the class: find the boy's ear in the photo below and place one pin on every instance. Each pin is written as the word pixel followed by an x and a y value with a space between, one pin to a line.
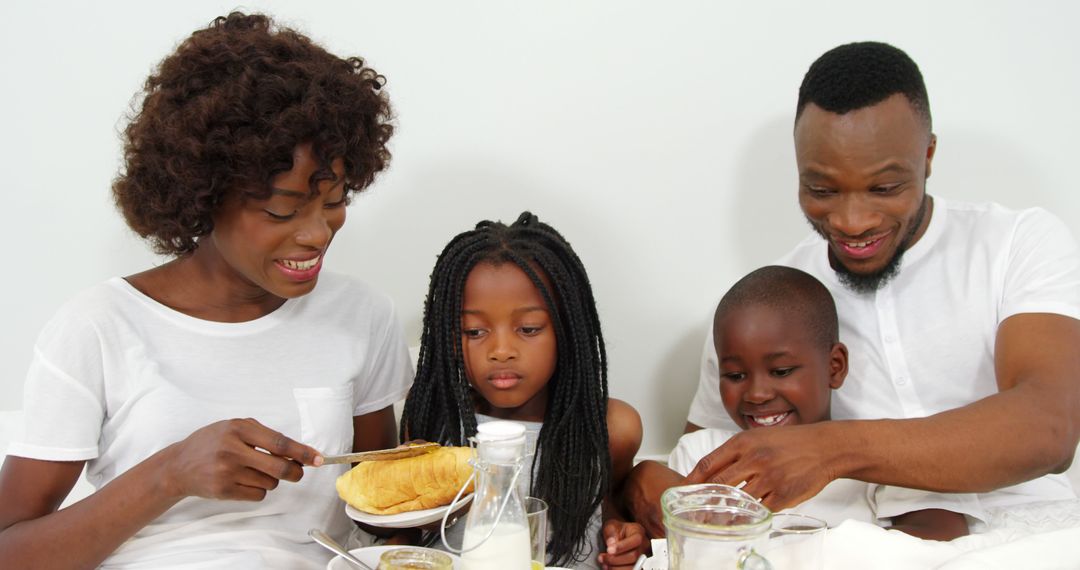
pixel 838 358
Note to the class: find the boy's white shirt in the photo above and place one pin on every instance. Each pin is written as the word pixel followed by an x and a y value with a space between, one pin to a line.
pixel 842 499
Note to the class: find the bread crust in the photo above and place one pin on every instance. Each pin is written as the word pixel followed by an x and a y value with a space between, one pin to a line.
pixel 410 484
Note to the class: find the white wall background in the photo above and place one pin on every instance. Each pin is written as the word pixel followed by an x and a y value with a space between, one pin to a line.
pixel 655 136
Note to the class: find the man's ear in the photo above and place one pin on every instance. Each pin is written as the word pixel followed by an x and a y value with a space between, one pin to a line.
pixel 838 363
pixel 930 150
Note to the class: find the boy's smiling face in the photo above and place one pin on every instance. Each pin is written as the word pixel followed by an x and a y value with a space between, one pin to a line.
pixel 773 369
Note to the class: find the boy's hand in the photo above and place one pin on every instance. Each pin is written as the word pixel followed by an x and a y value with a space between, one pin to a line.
pixel 625 542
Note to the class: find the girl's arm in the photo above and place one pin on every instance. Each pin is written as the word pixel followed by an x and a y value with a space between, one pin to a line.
pixel 931 524
pixel 375 430
pixel 625 541
pixel 218 461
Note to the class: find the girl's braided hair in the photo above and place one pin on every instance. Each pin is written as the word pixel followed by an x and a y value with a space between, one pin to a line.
pixel 572 466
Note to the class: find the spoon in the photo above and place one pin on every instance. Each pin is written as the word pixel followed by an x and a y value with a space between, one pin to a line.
pixel 331 544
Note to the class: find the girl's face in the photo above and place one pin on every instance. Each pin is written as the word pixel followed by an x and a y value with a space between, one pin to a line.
pixel 277 244
pixel 508 340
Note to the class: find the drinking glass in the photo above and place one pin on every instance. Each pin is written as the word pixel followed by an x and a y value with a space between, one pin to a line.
pixel 536 512
pixel 796 542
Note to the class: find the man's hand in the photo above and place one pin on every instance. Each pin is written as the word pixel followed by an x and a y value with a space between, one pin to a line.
pixel 625 543
pixel 782 466
pixel 641 493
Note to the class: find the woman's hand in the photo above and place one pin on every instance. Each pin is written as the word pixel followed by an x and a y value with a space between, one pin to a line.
pixel 625 543
pixel 234 459
pixel 219 461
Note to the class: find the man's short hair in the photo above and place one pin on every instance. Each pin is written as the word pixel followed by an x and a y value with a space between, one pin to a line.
pixel 858 75
pixel 794 292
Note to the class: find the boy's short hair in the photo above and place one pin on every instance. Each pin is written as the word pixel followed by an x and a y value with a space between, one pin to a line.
pixel 790 290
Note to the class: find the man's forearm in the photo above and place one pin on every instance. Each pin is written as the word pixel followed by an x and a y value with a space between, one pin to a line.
pixel 969 449
pixel 1029 428
pixel 1001 440
pixel 641 494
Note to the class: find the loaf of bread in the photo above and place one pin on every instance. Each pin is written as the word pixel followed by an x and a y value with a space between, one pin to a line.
pixel 410 484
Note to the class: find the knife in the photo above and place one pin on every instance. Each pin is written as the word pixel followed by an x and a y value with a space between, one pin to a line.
pixel 399 452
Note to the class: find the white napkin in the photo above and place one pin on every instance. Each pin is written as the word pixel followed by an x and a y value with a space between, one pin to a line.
pixel 1045 550
pixel 659 557
pixel 1038 535
pixel 858 545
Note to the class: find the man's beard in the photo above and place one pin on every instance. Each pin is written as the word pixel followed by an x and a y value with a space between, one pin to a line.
pixel 871 282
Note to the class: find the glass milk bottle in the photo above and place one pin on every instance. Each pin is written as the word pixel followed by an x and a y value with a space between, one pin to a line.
pixel 496 531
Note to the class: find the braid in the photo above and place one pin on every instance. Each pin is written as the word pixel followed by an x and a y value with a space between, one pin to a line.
pixel 571 470
pixel 439 406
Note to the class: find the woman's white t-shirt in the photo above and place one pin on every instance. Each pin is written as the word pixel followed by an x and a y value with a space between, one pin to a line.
pixel 116 377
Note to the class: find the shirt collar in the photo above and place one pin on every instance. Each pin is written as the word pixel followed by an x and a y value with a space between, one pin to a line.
pixel 933 233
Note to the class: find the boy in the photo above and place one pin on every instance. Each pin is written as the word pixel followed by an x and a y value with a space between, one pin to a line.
pixel 777 342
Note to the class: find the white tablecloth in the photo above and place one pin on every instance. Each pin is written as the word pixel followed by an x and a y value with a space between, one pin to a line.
pixel 1043 536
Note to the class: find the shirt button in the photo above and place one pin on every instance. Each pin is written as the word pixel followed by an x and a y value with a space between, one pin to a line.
pixel 900 381
pixel 890 338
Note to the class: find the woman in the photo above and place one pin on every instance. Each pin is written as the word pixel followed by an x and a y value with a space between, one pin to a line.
pixel 200 394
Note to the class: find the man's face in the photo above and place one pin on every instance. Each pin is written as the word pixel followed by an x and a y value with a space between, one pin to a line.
pixel 862 185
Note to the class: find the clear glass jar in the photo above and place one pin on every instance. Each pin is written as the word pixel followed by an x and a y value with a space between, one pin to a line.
pixel 715 526
pixel 414 559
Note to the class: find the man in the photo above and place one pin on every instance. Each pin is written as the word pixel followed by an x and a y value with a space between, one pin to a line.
pixel 961 319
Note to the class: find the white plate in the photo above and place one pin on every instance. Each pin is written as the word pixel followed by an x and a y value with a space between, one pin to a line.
pixel 370 556
pixel 403 520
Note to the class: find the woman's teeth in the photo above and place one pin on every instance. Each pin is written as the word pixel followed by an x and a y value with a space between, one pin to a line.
pixel 770 420
pixel 301 265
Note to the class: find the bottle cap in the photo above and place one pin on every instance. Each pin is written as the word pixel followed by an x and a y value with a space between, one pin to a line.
pixel 500 440
pixel 500 430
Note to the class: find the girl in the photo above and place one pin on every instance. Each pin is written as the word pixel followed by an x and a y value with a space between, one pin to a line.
pixel 511 332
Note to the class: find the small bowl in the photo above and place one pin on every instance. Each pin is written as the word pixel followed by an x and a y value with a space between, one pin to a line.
pixel 370 556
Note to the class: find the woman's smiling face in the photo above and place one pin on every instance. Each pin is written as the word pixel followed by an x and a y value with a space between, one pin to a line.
pixel 276 244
